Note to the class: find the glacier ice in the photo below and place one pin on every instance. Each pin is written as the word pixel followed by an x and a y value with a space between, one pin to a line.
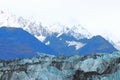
pixel 100 66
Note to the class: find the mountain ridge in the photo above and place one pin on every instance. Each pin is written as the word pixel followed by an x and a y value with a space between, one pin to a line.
pixel 63 39
pixel 40 32
pixel 17 43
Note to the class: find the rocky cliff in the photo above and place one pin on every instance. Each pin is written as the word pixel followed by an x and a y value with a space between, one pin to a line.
pixel 102 66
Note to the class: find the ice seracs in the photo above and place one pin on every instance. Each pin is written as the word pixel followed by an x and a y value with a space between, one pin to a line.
pixel 100 66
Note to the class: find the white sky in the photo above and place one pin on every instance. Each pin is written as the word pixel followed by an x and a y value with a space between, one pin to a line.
pixel 97 16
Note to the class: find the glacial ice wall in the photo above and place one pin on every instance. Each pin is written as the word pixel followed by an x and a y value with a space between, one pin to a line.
pixel 101 66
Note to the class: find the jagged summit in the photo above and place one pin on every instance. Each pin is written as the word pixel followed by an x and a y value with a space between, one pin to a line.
pixel 114 40
pixel 80 32
pixel 35 28
pixel 63 39
pixel 41 32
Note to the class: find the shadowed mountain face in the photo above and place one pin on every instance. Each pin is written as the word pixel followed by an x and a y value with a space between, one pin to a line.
pixel 66 44
pixel 17 43
pixel 97 44
pixel 63 39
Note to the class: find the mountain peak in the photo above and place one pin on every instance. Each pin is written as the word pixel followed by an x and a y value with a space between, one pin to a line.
pixel 57 28
pixel 41 32
pixel 17 43
pixel 80 32
pixel 35 28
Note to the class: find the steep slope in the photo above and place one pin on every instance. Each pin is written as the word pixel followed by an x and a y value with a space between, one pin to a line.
pixel 59 45
pixel 113 39
pixel 77 31
pixel 17 43
pixel 35 28
pixel 97 44
pixel 67 45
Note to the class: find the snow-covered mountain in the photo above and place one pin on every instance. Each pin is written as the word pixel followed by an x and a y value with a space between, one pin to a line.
pixel 114 40
pixel 64 39
pixel 76 31
pixel 55 39
pixel 35 28
pixel 40 32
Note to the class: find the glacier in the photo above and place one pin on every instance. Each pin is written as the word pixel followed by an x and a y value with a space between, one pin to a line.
pixel 99 66
pixel 94 66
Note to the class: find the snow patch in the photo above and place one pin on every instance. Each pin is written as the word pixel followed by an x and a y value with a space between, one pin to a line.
pixel 47 43
pixel 41 38
pixel 77 45
pixel 57 28
pixel 59 35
